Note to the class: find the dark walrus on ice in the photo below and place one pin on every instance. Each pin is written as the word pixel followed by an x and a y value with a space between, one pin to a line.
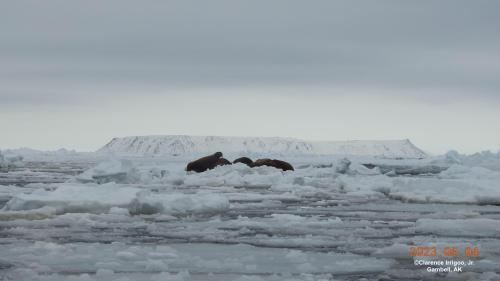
pixel 244 160
pixel 285 166
pixel 206 163
pixel 211 161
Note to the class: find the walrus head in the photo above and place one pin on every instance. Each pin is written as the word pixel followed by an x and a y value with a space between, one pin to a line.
pixel 218 154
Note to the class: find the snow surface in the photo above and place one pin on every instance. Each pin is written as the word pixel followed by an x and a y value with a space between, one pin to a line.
pixel 179 145
pixel 145 218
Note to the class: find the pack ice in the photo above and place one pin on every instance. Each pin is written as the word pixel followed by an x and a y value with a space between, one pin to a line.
pixel 336 217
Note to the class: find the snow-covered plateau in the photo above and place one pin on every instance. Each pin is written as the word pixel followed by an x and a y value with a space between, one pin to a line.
pixel 181 145
pixel 137 215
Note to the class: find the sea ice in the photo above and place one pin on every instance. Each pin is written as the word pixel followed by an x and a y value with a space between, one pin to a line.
pixel 477 227
pixel 112 170
pixel 325 220
pixel 93 198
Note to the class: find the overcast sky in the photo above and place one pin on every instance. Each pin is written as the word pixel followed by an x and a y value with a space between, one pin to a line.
pixel 75 74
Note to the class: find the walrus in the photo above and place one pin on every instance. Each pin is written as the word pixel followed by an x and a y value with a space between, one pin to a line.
pixel 223 161
pixel 285 166
pixel 263 162
pixel 204 163
pixel 244 160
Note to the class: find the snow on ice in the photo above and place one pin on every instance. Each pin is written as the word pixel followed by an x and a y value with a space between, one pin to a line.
pixel 92 198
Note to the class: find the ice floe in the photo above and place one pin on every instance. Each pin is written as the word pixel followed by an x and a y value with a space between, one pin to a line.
pixel 112 170
pixel 94 198
pixel 145 218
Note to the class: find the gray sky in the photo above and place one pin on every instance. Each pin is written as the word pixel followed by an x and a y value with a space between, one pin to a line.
pixel 76 73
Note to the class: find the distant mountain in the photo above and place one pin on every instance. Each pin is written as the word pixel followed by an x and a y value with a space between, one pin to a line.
pixel 181 144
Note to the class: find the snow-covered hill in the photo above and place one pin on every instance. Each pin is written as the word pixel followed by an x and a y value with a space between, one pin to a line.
pixel 181 144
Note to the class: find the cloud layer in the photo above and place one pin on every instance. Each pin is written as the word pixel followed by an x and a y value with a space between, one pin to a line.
pixel 81 53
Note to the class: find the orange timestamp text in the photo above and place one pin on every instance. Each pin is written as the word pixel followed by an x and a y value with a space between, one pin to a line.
pixel 448 251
